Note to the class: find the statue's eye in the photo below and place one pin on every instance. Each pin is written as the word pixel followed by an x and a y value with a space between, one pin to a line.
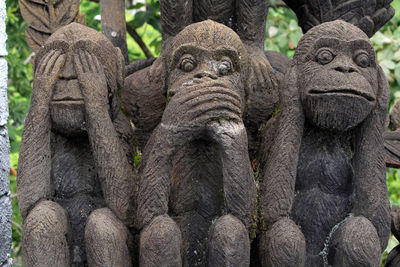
pixel 362 59
pixel 324 56
pixel 187 63
pixel 225 66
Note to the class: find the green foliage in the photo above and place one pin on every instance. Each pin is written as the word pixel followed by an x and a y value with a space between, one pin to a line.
pixel 283 32
pixel 282 35
pixel 146 21
pixel 19 91
pixel 387 45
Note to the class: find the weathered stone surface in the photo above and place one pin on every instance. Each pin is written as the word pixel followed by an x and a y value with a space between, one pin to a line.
pixel 5 230
pixel 5 202
pixel 3 35
pixel 3 92
pixel 53 15
pixel 74 158
pixel 368 15
pixel 197 193
pixel 4 162
pixel 326 170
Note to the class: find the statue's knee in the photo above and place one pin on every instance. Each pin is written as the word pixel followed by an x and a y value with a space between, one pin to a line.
pixel 229 243
pixel 44 240
pixel 230 231
pixel 47 220
pixel 355 243
pixel 160 243
pixel 103 226
pixel 160 230
pixel 283 245
pixel 108 240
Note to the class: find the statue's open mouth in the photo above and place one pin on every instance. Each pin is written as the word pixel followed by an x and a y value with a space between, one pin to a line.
pixel 343 91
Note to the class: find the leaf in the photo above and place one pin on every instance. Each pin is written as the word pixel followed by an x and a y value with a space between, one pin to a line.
pixel 136 6
pixel 389 64
pixel 46 16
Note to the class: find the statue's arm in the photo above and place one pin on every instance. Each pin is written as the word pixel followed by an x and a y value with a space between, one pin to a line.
pixel 175 15
pixel 34 164
pixel 371 194
pixel 115 173
pixel 251 20
pixel 280 171
pixel 154 186
pixel 238 179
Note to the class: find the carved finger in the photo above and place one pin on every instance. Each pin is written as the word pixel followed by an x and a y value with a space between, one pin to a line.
pixel 182 98
pixel 213 99
pixel 59 63
pixel 84 63
pixel 44 61
pixel 78 64
pixel 90 62
pixel 258 74
pixel 51 62
pixel 210 95
pixel 99 68
pixel 226 110
pixel 267 74
pixel 214 115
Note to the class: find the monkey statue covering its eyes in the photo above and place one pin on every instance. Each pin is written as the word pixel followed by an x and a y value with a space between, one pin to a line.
pixel 75 181
pixel 323 197
pixel 196 197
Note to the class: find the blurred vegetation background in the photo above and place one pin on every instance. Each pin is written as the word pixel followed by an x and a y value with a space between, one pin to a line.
pixel 143 18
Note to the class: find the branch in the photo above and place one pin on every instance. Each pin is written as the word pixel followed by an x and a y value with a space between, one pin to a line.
pixel 132 32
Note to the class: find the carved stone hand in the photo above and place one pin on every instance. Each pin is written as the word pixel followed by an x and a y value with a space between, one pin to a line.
pixel 261 68
pixel 92 79
pixel 46 74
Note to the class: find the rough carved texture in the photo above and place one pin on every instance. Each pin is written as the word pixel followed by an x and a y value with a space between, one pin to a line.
pixel 368 15
pixel 45 17
pixel 197 191
pixel 5 201
pixel 392 138
pixel 74 155
pixel 393 259
pixel 144 101
pixel 246 17
pixel 326 167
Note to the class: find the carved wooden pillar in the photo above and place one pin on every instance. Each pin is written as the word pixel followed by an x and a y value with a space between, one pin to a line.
pixel 5 202
pixel 113 24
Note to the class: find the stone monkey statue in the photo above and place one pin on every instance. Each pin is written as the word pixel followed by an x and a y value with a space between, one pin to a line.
pixel 142 99
pixel 324 198
pixel 196 197
pixel 75 183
